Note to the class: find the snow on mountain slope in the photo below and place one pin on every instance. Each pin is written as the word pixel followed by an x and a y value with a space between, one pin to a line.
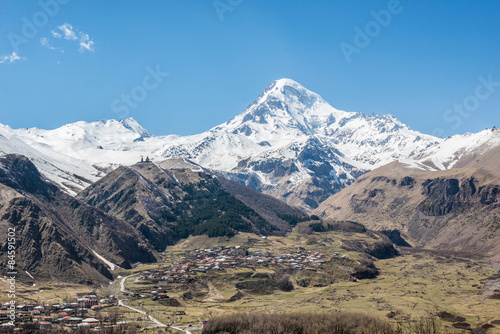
pixel 71 174
pixel 453 149
pixel 78 154
pixel 88 141
pixel 289 143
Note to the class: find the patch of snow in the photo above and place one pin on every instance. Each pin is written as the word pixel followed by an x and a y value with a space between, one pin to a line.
pixel 110 264
pixel 27 273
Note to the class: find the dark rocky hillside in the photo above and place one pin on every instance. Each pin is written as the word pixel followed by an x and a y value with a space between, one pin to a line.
pixel 56 234
pixel 445 195
pixel 175 199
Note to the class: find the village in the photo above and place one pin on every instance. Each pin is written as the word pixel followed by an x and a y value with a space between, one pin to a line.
pixel 220 258
pixel 82 313
pixel 90 312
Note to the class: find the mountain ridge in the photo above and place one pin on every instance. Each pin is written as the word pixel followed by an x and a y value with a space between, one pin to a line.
pixel 456 209
pixel 289 143
pixel 59 237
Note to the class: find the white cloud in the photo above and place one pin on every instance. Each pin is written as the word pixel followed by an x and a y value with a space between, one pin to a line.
pixel 86 44
pixel 67 31
pixel 10 58
pixel 44 41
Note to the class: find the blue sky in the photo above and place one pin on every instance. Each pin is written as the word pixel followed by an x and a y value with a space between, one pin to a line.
pixel 432 64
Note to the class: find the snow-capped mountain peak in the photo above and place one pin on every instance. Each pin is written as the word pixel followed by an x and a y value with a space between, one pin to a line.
pixel 101 133
pixel 292 97
pixel 133 125
pixel 286 110
pixel 291 92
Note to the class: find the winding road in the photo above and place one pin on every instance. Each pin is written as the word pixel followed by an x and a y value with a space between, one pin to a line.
pixel 121 302
pixel 150 317
pixel 180 329
pixel 159 324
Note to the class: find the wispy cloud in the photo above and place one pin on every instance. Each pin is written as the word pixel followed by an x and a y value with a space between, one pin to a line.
pixel 86 44
pixel 44 41
pixel 67 32
pixel 10 58
pixel 56 34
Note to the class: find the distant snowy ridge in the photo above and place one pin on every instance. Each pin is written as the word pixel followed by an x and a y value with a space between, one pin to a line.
pixel 289 143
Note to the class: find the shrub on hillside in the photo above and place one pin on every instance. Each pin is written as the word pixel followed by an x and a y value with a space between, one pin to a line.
pixel 295 323
pixel 285 284
pixel 315 323
pixel 382 250
pixel 365 269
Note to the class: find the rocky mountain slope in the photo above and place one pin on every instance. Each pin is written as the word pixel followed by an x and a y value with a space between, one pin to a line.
pixel 173 199
pixel 455 209
pixel 57 236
